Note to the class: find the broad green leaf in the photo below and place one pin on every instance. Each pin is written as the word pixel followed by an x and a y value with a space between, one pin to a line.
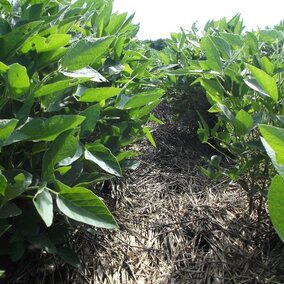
pixel 243 122
pixel 203 131
pixel 253 84
pixel 12 41
pixel 228 114
pixel 102 156
pixel 251 42
pixel 16 187
pixel 10 210
pixel 232 39
pixel 276 204
pixel 18 80
pixel 89 179
pixel 69 256
pixel 70 160
pixel 41 129
pixel 3 184
pixel 273 141
pixel 141 112
pixel 92 115
pixel 44 205
pixel 213 89
pixel 84 206
pixel 99 94
pixel 44 44
pixel 51 56
pixel 148 134
pixel 222 46
pixel 6 5
pixel 85 52
pixel 212 54
pixel 58 86
pixel 3 67
pixel 267 65
pixel 64 146
pixel 115 23
pixel 7 126
pixel 267 82
pixel 142 99
pixel 86 72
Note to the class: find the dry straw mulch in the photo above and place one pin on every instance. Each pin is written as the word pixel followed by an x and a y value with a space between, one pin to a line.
pixel 176 226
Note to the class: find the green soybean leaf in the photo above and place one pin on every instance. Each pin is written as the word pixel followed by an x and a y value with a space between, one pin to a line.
pixel 69 256
pixel 142 99
pixel 243 122
pixel 253 84
pixel 213 89
pixel 83 205
pixel 102 156
pixel 18 80
pixel 11 41
pixel 86 72
pixel 148 134
pixel 92 115
pixel 99 94
pixel 115 23
pixel 85 52
pixel 273 142
pixel 64 146
pixel 51 56
pixel 267 65
pixel 44 205
pixel 3 67
pixel 6 5
pixel 41 129
pixel 212 54
pixel 267 82
pixel 20 182
pixel 276 204
pixel 6 128
pixel 3 184
pixel 88 179
pixel 232 39
pixel 44 44
pixel 10 210
pixel 58 86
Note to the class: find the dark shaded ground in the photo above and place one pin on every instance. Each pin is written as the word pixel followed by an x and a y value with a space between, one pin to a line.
pixel 176 226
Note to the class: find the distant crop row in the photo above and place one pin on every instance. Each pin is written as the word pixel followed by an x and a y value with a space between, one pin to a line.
pixel 241 75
